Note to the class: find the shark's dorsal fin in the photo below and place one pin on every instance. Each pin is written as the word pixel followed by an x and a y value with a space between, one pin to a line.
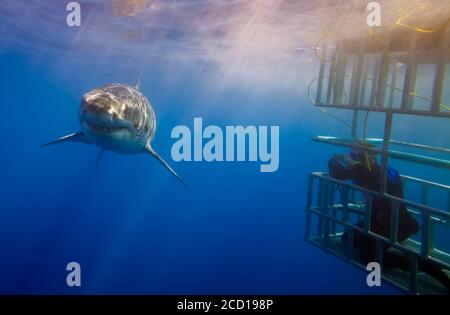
pixel 73 137
pixel 161 160
pixel 137 86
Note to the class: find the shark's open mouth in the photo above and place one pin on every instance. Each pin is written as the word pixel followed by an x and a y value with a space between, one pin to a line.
pixel 103 129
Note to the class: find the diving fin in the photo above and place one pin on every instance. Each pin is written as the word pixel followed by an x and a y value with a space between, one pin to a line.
pixel 74 137
pixel 167 166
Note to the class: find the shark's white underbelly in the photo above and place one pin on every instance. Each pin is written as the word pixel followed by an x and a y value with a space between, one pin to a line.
pixel 117 140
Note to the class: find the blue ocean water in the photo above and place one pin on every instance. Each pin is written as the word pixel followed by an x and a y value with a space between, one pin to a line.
pixel 129 224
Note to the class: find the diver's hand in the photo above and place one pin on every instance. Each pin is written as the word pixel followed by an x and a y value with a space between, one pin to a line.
pixel 338 166
pixel 337 159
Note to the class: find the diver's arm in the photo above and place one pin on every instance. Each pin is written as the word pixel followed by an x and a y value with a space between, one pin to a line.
pixel 339 168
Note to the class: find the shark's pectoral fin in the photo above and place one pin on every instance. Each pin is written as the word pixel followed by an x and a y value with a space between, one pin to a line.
pixel 74 137
pixel 167 166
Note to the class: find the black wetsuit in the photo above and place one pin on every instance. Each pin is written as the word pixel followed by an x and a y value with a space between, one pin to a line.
pixel 381 217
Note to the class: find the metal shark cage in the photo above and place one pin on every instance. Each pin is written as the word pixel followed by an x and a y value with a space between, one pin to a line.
pixel 382 74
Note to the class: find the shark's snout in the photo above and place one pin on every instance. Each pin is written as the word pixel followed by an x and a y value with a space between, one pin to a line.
pixel 96 107
pixel 100 112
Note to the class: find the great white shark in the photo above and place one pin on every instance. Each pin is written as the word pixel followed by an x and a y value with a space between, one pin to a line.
pixel 117 118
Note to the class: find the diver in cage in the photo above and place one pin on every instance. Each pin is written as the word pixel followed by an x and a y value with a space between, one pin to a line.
pixel 361 166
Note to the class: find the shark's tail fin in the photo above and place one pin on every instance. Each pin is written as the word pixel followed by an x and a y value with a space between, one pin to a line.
pixel 167 166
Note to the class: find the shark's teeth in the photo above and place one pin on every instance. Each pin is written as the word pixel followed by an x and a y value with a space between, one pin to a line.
pixel 103 129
